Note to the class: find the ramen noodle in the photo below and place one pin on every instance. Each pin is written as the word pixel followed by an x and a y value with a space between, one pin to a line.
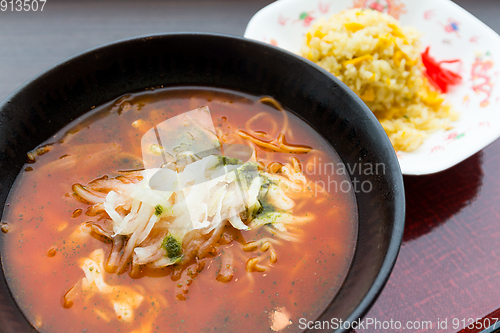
pixel 172 210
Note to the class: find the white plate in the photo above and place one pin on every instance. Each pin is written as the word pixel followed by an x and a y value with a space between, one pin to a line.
pixel 450 31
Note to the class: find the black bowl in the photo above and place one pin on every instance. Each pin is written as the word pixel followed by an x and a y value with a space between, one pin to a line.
pixel 42 106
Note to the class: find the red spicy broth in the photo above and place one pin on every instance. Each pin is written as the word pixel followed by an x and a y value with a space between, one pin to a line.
pixel 42 249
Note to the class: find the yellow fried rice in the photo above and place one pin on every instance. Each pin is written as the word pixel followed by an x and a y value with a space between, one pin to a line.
pixel 381 62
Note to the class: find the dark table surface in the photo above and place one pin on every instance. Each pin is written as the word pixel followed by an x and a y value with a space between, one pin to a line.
pixel 448 267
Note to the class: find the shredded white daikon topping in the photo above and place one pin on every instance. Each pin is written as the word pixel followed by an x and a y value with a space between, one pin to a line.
pixel 206 191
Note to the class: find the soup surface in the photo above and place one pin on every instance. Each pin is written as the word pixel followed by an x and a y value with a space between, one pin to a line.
pixel 48 247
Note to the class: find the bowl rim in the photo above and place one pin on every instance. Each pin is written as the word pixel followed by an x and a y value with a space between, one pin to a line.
pixel 396 236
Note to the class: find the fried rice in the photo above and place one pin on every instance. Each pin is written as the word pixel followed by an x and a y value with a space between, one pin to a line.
pixel 381 62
